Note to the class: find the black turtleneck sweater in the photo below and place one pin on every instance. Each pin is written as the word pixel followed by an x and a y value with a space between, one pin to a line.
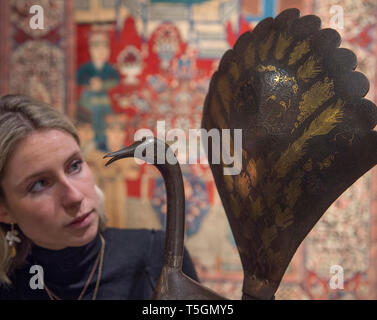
pixel 132 264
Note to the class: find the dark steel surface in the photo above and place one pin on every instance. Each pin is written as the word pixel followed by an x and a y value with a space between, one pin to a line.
pixel 172 284
pixel 307 136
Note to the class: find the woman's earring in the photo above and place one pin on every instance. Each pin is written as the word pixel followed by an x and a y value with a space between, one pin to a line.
pixel 12 238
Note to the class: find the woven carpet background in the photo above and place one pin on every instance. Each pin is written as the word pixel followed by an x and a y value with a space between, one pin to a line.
pixel 156 61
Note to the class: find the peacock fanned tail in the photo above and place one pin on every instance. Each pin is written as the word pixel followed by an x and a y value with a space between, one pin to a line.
pixel 307 135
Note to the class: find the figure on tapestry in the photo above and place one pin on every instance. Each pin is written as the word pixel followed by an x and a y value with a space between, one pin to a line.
pixel 98 76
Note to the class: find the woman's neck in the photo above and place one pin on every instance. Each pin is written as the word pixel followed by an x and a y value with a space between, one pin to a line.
pixel 68 265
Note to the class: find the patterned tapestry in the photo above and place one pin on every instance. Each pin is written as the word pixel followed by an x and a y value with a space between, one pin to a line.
pixel 147 64
pixel 38 62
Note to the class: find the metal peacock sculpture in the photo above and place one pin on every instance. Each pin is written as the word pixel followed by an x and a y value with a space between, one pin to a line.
pixel 307 136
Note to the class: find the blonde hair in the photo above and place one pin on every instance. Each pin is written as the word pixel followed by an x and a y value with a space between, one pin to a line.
pixel 19 116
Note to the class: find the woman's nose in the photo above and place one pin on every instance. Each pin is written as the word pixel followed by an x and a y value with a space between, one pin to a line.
pixel 71 195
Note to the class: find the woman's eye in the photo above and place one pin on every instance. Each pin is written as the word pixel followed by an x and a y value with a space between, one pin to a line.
pixel 76 166
pixel 38 186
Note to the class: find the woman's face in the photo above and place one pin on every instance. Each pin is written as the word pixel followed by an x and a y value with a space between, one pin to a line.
pixel 49 191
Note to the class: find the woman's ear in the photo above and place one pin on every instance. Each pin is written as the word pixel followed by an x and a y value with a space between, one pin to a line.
pixel 4 214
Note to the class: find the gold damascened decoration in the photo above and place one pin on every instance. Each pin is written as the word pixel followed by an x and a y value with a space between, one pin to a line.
pixel 307 135
pixel 12 252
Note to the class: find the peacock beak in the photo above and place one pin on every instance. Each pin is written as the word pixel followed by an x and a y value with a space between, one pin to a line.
pixel 126 152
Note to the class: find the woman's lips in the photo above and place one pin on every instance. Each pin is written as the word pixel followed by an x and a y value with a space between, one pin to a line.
pixel 82 221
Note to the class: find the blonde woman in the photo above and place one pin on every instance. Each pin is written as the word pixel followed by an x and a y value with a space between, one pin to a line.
pixel 54 243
